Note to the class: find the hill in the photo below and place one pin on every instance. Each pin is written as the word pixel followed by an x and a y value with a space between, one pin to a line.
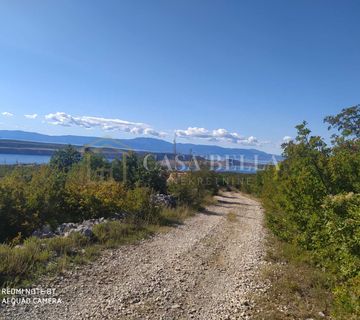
pixel 137 144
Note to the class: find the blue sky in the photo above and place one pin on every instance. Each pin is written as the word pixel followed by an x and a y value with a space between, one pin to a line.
pixel 237 73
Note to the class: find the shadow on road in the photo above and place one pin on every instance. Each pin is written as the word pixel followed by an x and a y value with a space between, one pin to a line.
pixel 236 203
pixel 210 212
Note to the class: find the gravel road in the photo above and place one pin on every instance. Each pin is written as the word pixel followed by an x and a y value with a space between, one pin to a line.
pixel 203 269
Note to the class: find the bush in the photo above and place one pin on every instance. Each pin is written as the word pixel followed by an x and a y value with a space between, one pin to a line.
pixel 44 194
pixel 312 200
pixel 336 244
pixel 65 158
pixel 347 300
pixel 186 194
pixel 192 188
pixel 139 207
pixel 87 199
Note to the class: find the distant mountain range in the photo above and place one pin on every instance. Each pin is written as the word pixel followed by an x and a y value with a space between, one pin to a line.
pixel 138 144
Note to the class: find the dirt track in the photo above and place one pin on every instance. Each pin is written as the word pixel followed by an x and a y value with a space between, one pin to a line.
pixel 203 269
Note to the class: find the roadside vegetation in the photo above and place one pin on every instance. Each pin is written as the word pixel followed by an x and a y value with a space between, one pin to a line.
pixel 312 203
pixel 298 289
pixel 74 187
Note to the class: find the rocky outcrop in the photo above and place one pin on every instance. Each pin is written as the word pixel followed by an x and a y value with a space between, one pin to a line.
pixel 163 200
pixel 85 227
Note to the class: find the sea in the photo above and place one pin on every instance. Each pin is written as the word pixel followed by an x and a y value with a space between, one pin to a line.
pixel 8 158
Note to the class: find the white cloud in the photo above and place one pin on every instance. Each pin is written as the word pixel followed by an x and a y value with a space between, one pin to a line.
pixel 7 114
pixel 287 139
pixel 216 135
pixel 194 132
pixel 63 119
pixel 31 116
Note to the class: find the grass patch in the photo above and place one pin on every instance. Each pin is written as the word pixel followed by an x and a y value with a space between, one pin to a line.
pixel 63 245
pixel 115 233
pixel 231 216
pixel 16 263
pixel 173 216
pixel 209 200
pixel 21 265
pixel 298 290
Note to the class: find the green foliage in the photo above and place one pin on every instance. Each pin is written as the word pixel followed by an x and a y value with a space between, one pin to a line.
pixel 139 207
pixel 337 242
pixel 187 192
pixel 64 159
pixel 87 197
pixel 6 169
pixel 71 189
pixel 193 188
pixel 312 199
pixel 151 175
pixel 347 122
pixel 30 199
pixel 347 300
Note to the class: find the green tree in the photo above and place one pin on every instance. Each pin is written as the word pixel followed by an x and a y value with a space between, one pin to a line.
pixel 65 158
pixel 347 122
pixel 150 174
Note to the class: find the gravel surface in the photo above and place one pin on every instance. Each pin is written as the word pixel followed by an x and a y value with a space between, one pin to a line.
pixel 203 269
